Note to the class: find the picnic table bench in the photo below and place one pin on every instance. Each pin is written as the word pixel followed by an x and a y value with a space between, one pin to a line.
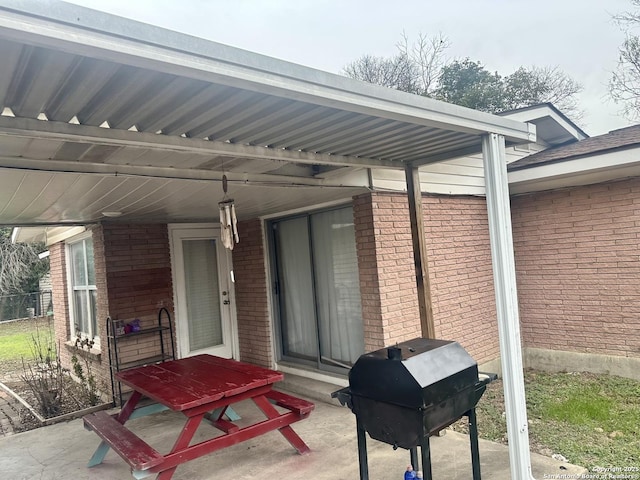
pixel 201 387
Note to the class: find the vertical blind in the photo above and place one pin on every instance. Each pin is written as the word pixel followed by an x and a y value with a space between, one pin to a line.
pixel 202 292
pixel 319 289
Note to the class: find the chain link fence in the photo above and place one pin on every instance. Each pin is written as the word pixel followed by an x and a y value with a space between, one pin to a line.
pixel 28 305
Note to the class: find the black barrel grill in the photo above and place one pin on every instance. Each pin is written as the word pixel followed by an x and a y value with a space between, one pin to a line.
pixel 401 395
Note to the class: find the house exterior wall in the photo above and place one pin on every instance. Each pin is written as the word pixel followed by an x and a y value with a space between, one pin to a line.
pixel 385 263
pixel 251 294
pixel 460 272
pixel 60 292
pixel 578 268
pixel 459 176
pixel 133 263
pixel 133 279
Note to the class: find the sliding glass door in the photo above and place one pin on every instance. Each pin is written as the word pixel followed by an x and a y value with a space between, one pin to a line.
pixel 317 289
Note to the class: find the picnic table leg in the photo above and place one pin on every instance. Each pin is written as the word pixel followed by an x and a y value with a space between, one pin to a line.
pixel 182 442
pixel 228 411
pixel 231 414
pixel 270 411
pixel 123 416
pixel 99 454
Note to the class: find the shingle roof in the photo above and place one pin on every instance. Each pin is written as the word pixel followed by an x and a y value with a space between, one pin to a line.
pixel 616 139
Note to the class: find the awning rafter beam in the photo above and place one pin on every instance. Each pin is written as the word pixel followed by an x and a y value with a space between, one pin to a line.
pixel 29 128
pixel 104 169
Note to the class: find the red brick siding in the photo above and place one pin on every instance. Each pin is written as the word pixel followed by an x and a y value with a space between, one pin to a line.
pixel 461 275
pixel 133 278
pixel 385 262
pixel 134 263
pixel 365 220
pixel 460 271
pixel 251 291
pixel 578 268
pixel 60 293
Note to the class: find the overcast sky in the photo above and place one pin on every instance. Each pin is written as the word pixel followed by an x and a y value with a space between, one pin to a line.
pixel 578 36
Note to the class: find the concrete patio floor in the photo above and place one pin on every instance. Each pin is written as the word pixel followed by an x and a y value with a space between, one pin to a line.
pixel 61 452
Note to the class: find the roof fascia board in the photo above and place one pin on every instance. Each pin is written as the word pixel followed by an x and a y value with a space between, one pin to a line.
pixel 47 234
pixel 540 111
pixel 213 62
pixel 59 234
pixel 577 166
pixel 30 128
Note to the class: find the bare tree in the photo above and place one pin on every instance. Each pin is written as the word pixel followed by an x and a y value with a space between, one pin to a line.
pixel 427 54
pixel 624 86
pixel 415 68
pixel 534 85
pixel 423 68
pixel 19 263
pixel 629 18
pixel 393 72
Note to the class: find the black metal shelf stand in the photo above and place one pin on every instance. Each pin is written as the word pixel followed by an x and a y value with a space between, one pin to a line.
pixel 166 348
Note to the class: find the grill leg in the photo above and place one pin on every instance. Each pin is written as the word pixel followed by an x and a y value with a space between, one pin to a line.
pixel 475 450
pixel 425 450
pixel 362 450
pixel 413 453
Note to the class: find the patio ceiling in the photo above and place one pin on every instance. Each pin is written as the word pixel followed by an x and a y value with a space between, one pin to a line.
pixel 101 113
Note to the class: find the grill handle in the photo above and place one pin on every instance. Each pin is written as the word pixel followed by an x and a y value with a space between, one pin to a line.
pixel 344 397
pixel 394 353
pixel 486 378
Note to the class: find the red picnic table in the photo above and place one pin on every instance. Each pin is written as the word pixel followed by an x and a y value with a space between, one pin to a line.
pixel 203 386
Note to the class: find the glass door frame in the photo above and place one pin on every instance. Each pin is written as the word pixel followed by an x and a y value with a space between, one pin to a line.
pixel 177 233
pixel 318 365
pixel 276 298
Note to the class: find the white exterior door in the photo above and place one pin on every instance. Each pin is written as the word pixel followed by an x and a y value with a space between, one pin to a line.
pixel 203 291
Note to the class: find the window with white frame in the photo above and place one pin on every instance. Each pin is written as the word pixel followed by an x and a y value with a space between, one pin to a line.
pixel 82 284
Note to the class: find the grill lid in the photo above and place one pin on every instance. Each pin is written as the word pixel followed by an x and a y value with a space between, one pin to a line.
pixel 416 373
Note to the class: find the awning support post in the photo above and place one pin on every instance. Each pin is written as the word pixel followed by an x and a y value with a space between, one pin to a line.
pixel 419 251
pixel 504 277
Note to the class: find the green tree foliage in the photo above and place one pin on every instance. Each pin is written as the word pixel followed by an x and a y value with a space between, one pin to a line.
pixel 624 86
pixel 469 84
pixel 423 69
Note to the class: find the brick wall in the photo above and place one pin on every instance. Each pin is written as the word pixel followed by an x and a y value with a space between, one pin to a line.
pixel 578 268
pixel 252 308
pixel 461 274
pixel 133 277
pixel 459 262
pixel 62 326
pixel 385 263
pixel 133 262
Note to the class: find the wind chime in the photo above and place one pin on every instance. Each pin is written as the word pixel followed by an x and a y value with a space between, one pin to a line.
pixel 228 221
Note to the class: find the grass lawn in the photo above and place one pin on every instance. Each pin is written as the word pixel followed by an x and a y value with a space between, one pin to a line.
pixel 16 342
pixel 592 420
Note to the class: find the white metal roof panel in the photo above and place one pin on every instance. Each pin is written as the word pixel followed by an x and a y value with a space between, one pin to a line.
pixel 177 107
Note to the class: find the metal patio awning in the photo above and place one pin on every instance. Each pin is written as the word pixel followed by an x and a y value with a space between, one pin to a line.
pixel 99 112
pixel 86 97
